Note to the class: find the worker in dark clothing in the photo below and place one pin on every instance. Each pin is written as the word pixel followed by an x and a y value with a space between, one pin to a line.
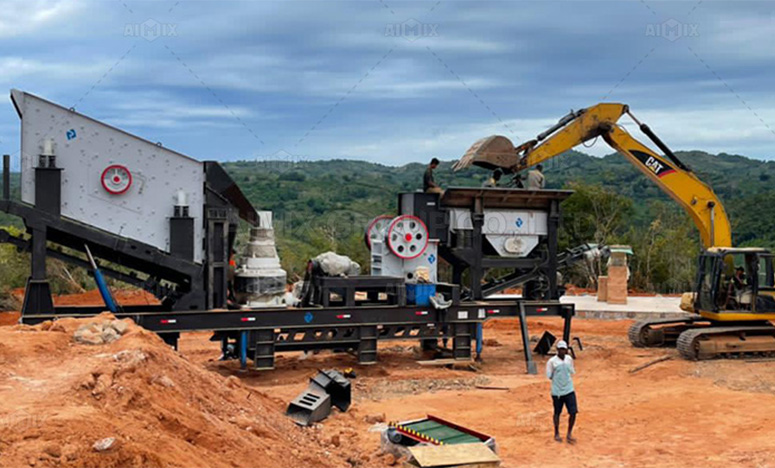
pixel 428 184
pixel 493 180
pixel 739 279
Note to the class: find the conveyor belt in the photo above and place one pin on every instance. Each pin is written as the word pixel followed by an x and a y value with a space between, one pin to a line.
pixel 436 431
pixel 443 434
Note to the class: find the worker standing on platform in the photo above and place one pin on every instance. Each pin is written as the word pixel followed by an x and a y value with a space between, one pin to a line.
pixel 535 178
pixel 559 370
pixel 428 184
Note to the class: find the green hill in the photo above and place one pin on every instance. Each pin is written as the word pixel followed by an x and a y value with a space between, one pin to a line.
pixel 321 205
pixel 306 191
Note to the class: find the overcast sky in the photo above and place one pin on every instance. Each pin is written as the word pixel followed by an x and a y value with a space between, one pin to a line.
pixel 391 81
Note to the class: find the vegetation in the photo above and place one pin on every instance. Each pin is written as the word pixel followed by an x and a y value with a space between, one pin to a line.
pixel 325 205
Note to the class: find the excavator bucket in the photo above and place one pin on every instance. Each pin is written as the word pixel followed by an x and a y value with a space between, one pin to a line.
pixel 491 153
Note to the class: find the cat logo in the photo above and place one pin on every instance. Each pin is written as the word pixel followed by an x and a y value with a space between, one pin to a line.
pixel 654 165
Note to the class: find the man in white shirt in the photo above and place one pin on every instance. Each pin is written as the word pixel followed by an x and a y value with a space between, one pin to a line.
pixel 559 370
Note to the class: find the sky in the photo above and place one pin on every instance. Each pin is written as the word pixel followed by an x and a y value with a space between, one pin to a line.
pixel 392 81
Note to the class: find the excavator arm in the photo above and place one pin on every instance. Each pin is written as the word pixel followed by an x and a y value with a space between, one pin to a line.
pixel 668 172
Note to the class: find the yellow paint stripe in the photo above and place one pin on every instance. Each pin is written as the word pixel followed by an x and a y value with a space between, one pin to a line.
pixel 736 316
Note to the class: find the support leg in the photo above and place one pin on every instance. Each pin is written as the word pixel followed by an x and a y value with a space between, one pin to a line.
pixel 531 365
pixel 367 347
pixel 568 311
pixel 479 340
pixel 243 350
pixel 37 295
pixel 263 358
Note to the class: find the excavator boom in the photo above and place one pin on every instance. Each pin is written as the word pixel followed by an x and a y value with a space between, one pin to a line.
pixel 668 172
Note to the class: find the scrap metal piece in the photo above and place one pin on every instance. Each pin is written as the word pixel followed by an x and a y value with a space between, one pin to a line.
pixel 336 385
pixel 545 344
pixel 311 406
pixel 327 388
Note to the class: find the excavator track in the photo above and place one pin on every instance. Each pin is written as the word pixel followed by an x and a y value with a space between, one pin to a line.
pixel 645 334
pixel 727 341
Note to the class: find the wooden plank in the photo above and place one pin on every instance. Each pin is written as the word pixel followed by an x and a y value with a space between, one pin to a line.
pixel 453 455
pixel 408 464
pixel 444 362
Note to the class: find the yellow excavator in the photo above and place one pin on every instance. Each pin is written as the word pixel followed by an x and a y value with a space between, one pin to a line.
pixel 733 302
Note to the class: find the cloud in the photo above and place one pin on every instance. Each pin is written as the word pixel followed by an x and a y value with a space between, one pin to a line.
pixel 22 17
pixel 316 77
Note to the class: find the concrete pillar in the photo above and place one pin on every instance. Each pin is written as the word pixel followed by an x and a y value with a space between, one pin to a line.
pixel 618 274
pixel 602 288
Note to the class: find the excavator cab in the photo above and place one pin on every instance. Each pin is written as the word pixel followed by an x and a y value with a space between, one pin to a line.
pixel 735 284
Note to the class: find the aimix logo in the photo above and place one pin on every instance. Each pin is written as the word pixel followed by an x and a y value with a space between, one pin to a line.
pixel 672 30
pixel 411 30
pixel 150 30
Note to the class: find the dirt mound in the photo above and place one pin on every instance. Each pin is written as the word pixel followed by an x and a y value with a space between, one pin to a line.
pixel 59 398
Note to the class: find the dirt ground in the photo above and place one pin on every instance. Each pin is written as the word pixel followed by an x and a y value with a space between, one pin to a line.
pixel 189 409
pixel 672 414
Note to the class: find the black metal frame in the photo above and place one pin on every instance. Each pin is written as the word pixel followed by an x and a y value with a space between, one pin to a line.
pixel 194 296
pixel 355 328
pixel 469 254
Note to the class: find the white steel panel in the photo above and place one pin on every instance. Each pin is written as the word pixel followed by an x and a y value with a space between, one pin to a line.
pixel 84 148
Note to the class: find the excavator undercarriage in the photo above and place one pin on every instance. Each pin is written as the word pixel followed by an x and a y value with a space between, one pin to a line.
pixel 703 339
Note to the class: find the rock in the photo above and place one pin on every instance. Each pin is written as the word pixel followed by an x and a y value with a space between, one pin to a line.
pixel 374 418
pixel 335 441
pixel 233 382
pixel 104 444
pixel 130 357
pixel 87 335
pixel 164 381
pixel 389 459
pixel 103 383
pixel 87 382
pixel 32 461
pixel 120 326
pixel 109 335
pixel 95 333
pixel 53 450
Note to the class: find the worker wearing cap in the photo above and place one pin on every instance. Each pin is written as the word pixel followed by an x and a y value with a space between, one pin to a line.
pixel 559 370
